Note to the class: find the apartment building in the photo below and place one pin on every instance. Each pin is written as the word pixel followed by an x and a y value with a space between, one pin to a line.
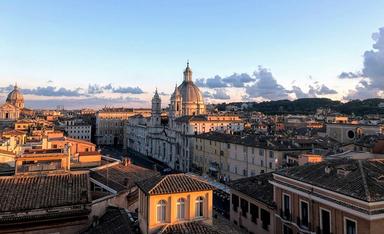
pixel 231 157
pixel 110 124
pixel 343 196
pixel 78 129
pixel 175 202
pixel 252 206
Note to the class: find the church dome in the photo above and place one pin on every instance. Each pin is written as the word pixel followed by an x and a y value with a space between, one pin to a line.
pixel 16 98
pixel 190 93
pixel 188 90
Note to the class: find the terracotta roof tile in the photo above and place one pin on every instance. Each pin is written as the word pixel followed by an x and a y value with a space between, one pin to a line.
pixel 173 183
pixel 121 177
pixel 189 228
pixel 361 179
pixel 23 193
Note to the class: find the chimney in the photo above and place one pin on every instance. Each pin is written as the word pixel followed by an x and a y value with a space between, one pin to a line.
pixel 126 161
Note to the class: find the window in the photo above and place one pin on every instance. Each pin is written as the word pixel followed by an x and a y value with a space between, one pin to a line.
pixel 287 230
pixel 235 202
pixel 286 206
pixel 265 218
pixel 180 204
pixel 325 221
pixel 199 207
pixel 350 226
pixel 244 207
pixel 161 211
pixel 254 210
pixel 304 212
pixel 271 154
pixel 270 165
pixel 261 152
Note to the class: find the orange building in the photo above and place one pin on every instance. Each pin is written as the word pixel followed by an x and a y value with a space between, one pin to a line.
pixel 169 200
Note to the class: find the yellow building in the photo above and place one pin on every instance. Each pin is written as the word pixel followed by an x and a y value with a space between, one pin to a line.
pixel 177 199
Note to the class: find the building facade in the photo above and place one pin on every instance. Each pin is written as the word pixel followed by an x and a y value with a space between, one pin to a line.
pixel 170 142
pixel 110 124
pixel 171 200
pixel 252 206
pixel 12 108
pixel 337 196
pixel 231 157
pixel 77 129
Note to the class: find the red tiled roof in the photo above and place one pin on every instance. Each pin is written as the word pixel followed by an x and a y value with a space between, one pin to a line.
pixel 173 183
pixel 120 177
pixel 189 228
pixel 24 193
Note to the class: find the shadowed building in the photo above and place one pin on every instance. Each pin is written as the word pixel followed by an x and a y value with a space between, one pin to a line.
pixel 55 203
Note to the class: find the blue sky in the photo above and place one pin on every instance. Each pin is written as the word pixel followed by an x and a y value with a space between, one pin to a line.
pixel 145 44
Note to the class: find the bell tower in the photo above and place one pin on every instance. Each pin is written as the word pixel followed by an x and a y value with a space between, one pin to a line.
pixel 156 110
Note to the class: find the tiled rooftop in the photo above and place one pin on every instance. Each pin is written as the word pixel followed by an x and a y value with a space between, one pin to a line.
pixel 361 179
pixel 257 187
pixel 173 183
pixel 114 221
pixel 24 193
pixel 253 140
pixel 120 177
pixel 189 228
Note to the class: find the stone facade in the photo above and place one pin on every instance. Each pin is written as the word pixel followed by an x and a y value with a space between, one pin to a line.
pixel 110 122
pixel 172 142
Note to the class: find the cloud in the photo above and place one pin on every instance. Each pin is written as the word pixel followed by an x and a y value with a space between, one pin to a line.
pixel 266 86
pixel 372 85
pixel 238 80
pixel 91 102
pixel 163 94
pixel 6 89
pixel 215 82
pixel 299 93
pixel 235 80
pixel 314 91
pixel 350 75
pixel 131 90
pixel 219 93
pixel 97 89
pixel 324 90
pixel 51 91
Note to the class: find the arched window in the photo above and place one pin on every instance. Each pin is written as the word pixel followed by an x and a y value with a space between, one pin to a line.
pixel 161 211
pixel 199 207
pixel 180 204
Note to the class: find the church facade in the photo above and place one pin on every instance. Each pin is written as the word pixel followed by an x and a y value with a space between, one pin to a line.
pixel 171 141
pixel 10 111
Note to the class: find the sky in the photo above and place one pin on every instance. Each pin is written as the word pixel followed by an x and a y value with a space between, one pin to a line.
pixel 95 53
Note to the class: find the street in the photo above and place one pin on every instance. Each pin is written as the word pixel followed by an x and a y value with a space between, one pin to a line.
pixel 136 158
